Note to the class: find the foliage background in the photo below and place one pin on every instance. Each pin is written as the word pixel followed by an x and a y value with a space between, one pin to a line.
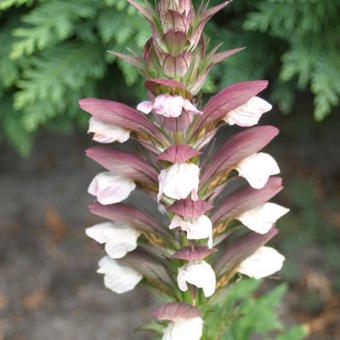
pixel 53 52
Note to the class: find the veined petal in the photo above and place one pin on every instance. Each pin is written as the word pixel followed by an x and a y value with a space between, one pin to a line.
pixel 196 228
pixel 227 100
pixel 237 148
pixel 244 199
pixel 107 133
pixel 110 188
pixel 264 262
pixel 178 153
pixel 198 273
pixel 262 218
pixel 117 277
pixel 257 169
pixel 126 214
pixel 175 124
pixel 159 86
pixel 178 180
pixel 119 239
pixel 238 250
pixel 184 329
pixel 191 253
pixel 190 208
pixel 248 114
pixel 120 115
pixel 147 265
pixel 123 163
pixel 174 311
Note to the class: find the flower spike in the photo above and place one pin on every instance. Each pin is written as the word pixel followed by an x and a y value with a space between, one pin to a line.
pixel 190 226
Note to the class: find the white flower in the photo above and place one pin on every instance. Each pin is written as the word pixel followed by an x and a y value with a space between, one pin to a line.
pixel 184 329
pixel 196 228
pixel 257 169
pixel 264 262
pixel 262 218
pixel 107 133
pixel 178 181
pixel 111 188
pixel 248 114
pixel 119 239
pixel 167 106
pixel 119 278
pixel 198 273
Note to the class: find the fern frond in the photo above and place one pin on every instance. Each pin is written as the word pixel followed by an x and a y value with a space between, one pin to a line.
pixel 49 23
pixel 54 79
pixel 5 4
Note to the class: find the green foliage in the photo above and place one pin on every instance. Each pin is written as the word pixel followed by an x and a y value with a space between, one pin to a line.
pixel 240 315
pixel 54 52
pixel 311 29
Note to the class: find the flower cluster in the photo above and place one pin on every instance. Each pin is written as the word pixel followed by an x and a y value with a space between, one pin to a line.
pixel 198 239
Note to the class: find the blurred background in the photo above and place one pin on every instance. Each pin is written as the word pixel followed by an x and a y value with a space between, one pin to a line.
pixel 52 53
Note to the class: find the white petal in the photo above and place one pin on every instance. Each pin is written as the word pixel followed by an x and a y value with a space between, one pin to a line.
pixel 257 169
pixel 264 262
pixel 187 105
pixel 248 114
pixel 196 228
pixel 194 194
pixel 198 273
pixel 120 239
pixel 111 188
pixel 184 329
pixel 107 133
pixel 199 228
pixel 179 180
pixel 117 277
pixel 176 222
pixel 262 218
pixel 168 106
pixel 161 183
pixel 145 107
pixel 181 279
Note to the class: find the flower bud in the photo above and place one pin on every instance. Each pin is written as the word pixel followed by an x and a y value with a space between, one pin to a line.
pixel 175 66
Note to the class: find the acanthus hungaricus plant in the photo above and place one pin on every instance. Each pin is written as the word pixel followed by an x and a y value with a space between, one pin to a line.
pixel 199 240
